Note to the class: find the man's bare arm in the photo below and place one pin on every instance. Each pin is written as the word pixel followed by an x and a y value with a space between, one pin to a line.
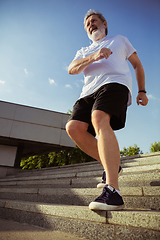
pixel 78 66
pixel 140 76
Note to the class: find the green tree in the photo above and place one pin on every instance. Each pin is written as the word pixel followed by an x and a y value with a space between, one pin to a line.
pixel 69 112
pixel 59 158
pixel 34 162
pixel 130 151
pixel 155 147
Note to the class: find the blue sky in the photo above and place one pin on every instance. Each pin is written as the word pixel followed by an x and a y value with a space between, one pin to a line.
pixel 38 40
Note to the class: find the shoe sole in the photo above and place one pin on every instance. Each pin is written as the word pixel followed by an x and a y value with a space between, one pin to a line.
pixel 101 185
pixel 104 206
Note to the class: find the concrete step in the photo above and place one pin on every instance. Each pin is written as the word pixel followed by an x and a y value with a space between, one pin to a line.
pixel 133 179
pixel 95 225
pixel 134 197
pixel 58 184
pixel 89 173
pixel 128 162
pixel 12 230
pixel 94 166
pixel 125 191
pixel 58 199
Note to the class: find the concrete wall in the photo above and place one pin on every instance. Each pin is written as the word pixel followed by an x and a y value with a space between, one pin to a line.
pixel 7 155
pixel 30 129
pixel 28 123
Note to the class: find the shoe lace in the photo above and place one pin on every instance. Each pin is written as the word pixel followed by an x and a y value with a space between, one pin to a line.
pixel 105 194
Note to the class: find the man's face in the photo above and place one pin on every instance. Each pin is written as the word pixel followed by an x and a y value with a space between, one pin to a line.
pixel 95 28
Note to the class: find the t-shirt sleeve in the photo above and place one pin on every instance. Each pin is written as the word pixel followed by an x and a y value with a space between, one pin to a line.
pixel 79 54
pixel 129 49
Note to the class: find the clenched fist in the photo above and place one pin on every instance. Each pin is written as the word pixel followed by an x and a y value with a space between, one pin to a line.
pixel 102 53
pixel 142 99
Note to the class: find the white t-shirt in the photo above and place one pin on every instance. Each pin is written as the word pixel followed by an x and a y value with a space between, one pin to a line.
pixel 114 69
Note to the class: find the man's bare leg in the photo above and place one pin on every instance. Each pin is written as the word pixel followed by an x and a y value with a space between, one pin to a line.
pixel 77 131
pixel 105 150
pixel 107 146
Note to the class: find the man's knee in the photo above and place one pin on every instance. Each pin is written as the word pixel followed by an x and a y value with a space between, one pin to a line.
pixel 69 127
pixel 75 128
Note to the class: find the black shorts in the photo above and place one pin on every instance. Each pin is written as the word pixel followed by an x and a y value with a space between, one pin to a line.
pixel 111 98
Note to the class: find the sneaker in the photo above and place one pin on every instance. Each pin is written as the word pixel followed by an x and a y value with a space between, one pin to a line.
pixel 109 200
pixel 103 183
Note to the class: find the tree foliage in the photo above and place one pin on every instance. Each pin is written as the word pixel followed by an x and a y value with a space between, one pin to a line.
pixel 59 158
pixel 130 151
pixel 69 112
pixel 155 147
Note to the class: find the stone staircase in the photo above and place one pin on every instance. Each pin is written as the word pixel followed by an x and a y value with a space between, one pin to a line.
pixel 57 198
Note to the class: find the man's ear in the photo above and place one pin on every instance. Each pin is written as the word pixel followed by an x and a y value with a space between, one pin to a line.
pixel 106 27
pixel 105 23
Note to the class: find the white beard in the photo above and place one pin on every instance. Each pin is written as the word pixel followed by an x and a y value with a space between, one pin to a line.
pixel 98 34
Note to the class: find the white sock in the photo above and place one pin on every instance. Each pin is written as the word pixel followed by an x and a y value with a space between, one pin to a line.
pixel 118 192
pixel 111 188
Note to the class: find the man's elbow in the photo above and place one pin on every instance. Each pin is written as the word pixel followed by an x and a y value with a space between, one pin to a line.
pixel 71 69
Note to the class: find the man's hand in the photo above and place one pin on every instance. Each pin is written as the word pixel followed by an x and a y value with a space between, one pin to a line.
pixel 102 53
pixel 142 99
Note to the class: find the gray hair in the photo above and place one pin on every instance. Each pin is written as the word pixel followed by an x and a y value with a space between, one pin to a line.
pixel 95 12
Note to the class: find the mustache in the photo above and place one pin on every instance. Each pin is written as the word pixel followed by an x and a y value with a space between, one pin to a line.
pixel 92 29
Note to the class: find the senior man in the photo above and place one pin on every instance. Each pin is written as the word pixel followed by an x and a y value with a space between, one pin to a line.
pixel 102 105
